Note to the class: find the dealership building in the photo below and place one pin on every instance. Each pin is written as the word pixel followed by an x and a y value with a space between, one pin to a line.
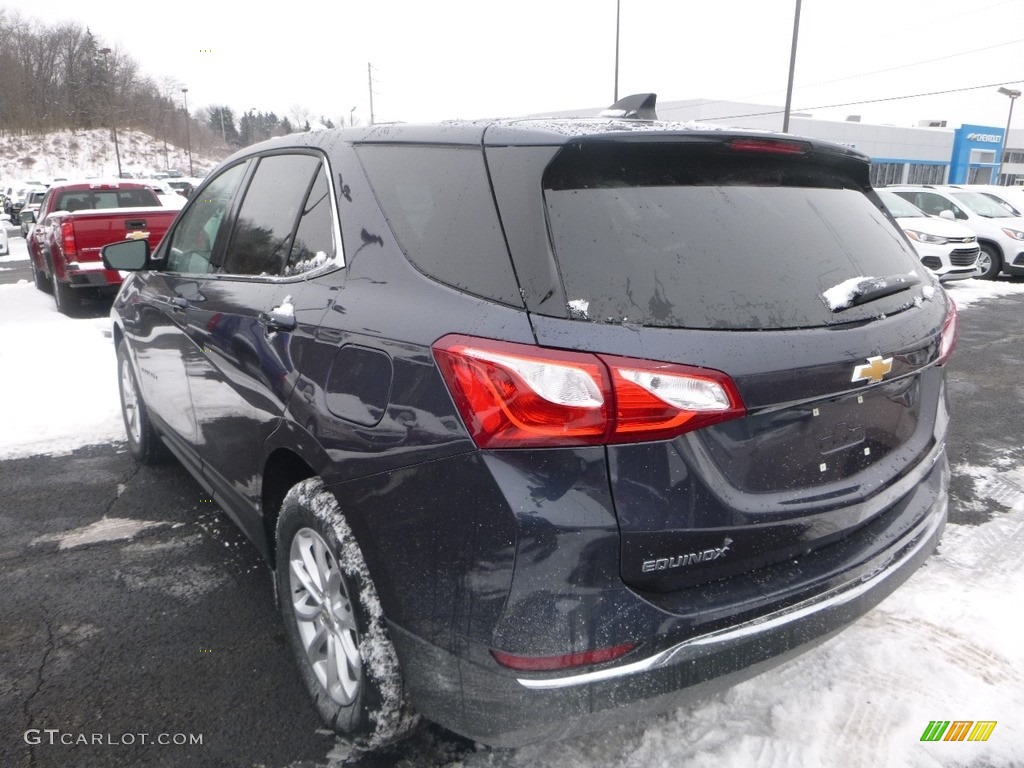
pixel 930 153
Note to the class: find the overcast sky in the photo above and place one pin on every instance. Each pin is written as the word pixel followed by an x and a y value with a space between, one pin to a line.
pixel 475 58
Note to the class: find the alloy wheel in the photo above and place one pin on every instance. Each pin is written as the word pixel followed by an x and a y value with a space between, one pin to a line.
pixel 324 615
pixel 130 402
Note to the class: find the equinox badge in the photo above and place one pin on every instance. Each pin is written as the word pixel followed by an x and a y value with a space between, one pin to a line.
pixel 664 563
pixel 875 369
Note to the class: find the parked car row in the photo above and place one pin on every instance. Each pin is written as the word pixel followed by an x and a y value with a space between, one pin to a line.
pixel 950 250
pixel 996 223
pixel 15 195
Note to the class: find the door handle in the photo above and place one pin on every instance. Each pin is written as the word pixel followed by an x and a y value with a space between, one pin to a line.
pixel 277 321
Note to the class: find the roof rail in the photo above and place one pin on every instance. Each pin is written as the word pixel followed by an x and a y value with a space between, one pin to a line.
pixel 639 106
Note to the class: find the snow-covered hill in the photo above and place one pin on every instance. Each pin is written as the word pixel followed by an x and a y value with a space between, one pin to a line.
pixel 86 153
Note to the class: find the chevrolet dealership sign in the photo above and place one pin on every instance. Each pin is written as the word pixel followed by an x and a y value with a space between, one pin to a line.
pixel 990 138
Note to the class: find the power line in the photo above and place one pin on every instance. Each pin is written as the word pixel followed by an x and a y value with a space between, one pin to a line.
pixel 855 103
pixel 913 64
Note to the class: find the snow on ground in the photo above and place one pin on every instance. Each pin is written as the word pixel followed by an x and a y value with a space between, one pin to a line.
pixel 946 646
pixel 59 385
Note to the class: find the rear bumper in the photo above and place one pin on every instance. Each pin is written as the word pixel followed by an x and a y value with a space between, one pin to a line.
pixel 92 274
pixel 500 707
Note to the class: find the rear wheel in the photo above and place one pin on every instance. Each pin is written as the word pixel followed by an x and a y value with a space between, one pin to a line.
pixel 989 262
pixel 69 301
pixel 143 442
pixel 39 278
pixel 334 622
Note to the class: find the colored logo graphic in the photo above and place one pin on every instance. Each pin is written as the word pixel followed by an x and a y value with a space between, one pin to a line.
pixel 958 730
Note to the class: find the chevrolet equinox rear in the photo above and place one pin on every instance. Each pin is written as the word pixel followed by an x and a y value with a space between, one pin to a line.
pixel 546 425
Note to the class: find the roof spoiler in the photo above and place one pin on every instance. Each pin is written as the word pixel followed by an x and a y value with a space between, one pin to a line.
pixel 639 106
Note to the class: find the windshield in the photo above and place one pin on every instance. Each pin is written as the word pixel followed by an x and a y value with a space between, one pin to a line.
pixel 982 205
pixel 900 208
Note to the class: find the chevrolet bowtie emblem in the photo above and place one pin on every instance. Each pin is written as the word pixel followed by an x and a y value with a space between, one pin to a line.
pixel 875 370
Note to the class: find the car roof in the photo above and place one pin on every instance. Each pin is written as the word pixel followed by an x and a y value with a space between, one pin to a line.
pixel 543 131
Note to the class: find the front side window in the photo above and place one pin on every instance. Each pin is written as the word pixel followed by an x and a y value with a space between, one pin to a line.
pixel 194 239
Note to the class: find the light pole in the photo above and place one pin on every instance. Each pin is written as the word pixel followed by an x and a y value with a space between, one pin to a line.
pixel 617 10
pixel 792 69
pixel 110 104
pixel 1012 93
pixel 351 118
pixel 188 134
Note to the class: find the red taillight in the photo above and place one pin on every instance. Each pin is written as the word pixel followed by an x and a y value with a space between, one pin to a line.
pixel 517 395
pixel 771 146
pixel 67 236
pixel 565 661
pixel 661 400
pixel 950 328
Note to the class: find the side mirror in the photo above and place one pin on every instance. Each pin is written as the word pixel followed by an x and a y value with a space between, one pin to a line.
pixel 127 255
pixel 947 215
pixel 27 217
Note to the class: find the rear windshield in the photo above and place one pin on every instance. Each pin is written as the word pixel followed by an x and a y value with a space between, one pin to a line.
pixel 698 237
pixel 92 199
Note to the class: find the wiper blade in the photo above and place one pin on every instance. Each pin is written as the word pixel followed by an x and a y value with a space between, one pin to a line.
pixel 863 290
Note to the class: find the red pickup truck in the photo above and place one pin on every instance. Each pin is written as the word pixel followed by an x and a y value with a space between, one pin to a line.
pixel 75 221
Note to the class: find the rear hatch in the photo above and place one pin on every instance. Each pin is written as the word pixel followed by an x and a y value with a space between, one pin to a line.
pixel 771 261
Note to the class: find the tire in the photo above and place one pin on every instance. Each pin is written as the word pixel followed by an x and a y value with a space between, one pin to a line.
pixel 39 278
pixel 143 441
pixel 69 301
pixel 334 622
pixel 989 263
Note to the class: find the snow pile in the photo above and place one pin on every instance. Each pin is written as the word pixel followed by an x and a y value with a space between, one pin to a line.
pixel 968 292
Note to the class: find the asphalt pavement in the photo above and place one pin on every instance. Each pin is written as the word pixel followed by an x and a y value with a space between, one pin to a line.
pixel 138 625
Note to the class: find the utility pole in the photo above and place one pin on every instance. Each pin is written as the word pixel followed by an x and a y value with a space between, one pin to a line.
pixel 617 9
pixel 223 133
pixel 110 101
pixel 369 74
pixel 792 69
pixel 188 134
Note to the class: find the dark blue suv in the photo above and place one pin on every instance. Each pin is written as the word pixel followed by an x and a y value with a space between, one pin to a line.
pixel 546 424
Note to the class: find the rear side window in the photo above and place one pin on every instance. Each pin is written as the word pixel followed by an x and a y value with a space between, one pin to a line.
pixel 438 202
pixel 262 239
pixel 698 237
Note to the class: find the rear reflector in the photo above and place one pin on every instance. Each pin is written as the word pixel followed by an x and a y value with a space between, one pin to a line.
pixel 950 330
pixel 517 395
pixel 566 661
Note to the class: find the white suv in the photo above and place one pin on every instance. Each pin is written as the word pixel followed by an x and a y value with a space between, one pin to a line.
pixel 948 249
pixel 1000 233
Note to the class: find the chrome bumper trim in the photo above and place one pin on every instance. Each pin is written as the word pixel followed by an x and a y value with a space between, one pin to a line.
pixel 834 597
